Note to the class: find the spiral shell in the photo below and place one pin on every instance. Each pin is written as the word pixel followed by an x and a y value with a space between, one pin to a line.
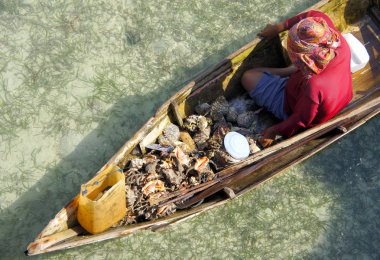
pixel 171 133
pixel 232 115
pixel 191 123
pixel 203 109
pixel 219 108
pixel 246 119
pixel 136 163
pixel 194 123
pixel 216 141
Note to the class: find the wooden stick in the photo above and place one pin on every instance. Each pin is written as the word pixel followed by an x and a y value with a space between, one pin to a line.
pixel 318 148
pixel 260 155
pixel 227 179
pixel 267 154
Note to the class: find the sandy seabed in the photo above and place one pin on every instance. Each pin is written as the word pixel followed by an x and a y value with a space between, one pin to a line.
pixel 78 78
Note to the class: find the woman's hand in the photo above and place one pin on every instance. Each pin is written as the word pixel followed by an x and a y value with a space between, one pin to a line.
pixel 271 30
pixel 268 137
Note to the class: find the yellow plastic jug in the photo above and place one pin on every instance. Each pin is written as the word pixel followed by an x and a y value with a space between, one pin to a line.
pixel 102 200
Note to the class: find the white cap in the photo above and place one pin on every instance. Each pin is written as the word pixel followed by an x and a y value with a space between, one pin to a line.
pixel 236 145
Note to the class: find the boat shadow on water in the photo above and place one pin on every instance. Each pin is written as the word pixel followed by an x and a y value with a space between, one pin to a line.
pixel 34 208
pixel 348 173
pixel 61 183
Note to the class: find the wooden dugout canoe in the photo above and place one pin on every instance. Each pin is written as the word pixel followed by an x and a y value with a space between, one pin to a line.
pixel 362 18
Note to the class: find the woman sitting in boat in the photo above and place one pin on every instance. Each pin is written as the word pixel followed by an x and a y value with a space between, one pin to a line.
pixel 315 87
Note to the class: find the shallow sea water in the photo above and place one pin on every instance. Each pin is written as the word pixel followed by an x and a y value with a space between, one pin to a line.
pixel 78 78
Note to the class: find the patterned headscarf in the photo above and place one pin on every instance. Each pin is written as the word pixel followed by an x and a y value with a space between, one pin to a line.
pixel 311 44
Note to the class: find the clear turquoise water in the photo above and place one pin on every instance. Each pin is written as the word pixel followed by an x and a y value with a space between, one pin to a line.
pixel 78 78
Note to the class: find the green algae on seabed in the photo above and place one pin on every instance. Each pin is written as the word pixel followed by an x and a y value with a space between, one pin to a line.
pixel 78 78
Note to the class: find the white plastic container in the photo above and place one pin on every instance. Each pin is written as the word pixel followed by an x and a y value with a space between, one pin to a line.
pixel 236 145
pixel 359 54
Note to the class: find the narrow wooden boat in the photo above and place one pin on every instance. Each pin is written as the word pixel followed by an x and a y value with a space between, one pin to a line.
pixel 356 16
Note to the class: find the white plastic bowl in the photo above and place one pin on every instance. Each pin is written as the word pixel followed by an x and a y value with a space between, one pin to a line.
pixel 236 145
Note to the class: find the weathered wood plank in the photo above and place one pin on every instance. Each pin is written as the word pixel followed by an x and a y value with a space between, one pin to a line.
pixel 176 113
pixel 47 241
pixel 154 133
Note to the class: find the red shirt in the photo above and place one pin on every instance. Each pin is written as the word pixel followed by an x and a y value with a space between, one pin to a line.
pixel 309 102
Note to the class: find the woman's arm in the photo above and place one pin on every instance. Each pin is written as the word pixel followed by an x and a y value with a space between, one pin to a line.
pixel 302 117
pixel 272 30
pixel 291 125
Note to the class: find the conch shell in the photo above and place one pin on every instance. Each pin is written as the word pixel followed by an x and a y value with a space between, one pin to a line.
pixel 186 138
pixel 181 156
pixel 201 163
pixel 153 186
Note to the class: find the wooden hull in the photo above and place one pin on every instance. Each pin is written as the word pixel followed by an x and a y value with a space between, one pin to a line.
pixel 223 79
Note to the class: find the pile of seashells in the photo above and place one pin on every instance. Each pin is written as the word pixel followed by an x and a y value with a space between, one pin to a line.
pixel 189 156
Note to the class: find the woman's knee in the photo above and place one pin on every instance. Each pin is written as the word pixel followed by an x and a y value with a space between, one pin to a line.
pixel 250 79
